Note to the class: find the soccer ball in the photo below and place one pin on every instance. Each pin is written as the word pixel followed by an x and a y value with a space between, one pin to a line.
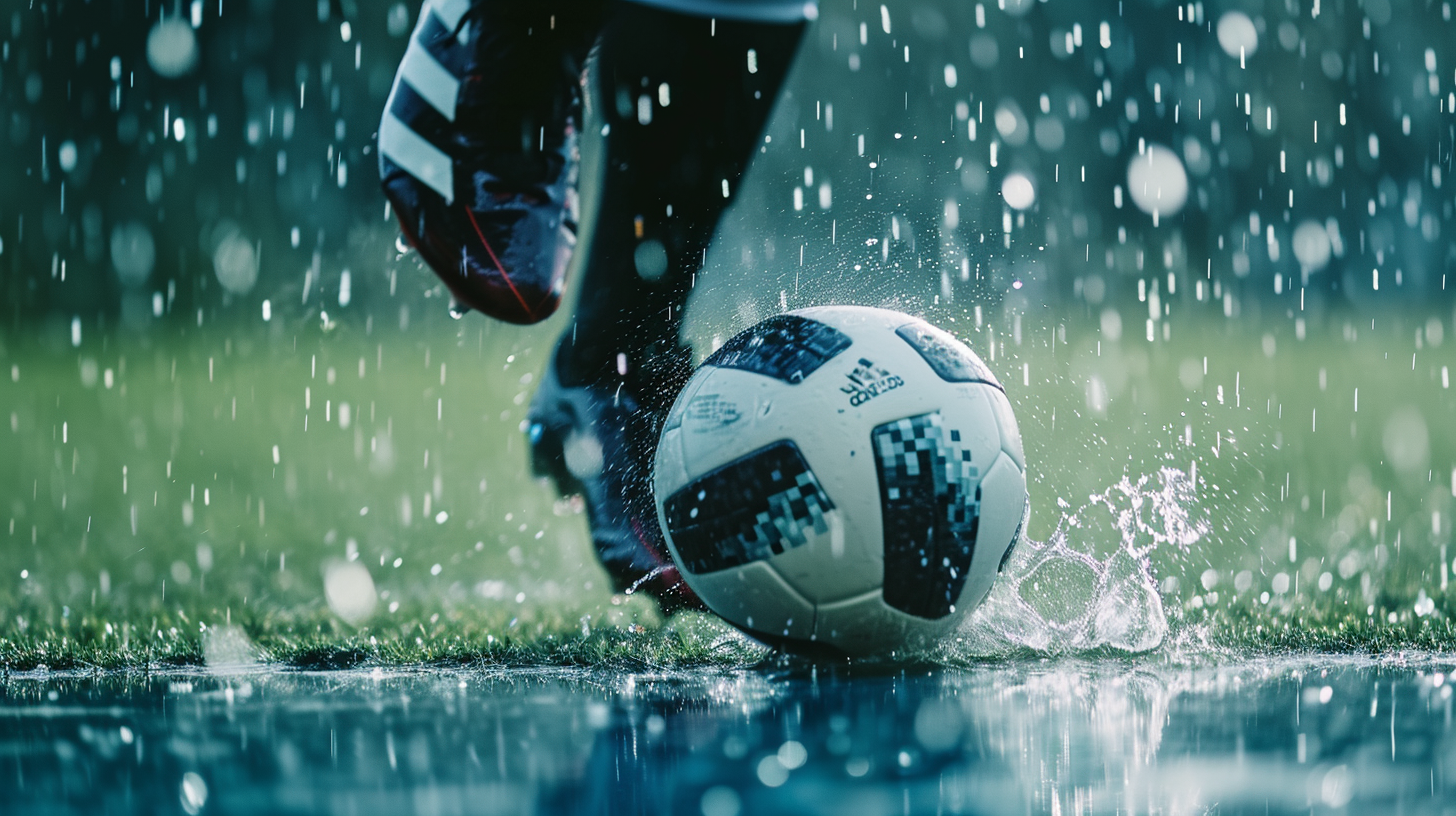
pixel 841 475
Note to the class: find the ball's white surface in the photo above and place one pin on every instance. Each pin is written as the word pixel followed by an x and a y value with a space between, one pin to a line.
pixel 830 588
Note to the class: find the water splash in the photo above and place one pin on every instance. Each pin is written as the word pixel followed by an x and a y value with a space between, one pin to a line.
pixel 228 649
pixel 1149 518
pixel 637 584
pixel 1090 585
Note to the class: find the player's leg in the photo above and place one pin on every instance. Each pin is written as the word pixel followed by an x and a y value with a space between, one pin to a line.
pixel 477 147
pixel 683 101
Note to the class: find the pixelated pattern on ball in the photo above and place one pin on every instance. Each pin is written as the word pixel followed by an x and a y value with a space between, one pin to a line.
pixel 930 499
pixel 946 355
pixel 750 509
pixel 786 347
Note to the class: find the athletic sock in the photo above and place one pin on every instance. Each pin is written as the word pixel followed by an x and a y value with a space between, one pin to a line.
pixel 683 102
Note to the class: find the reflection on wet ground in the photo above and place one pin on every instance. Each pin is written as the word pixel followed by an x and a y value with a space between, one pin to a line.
pixel 1064 737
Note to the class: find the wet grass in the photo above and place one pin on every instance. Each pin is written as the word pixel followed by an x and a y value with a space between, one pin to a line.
pixel 1247 630
pixel 320 641
pixel 146 508
pixel 685 641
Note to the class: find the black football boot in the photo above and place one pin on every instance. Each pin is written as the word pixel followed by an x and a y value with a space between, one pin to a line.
pixel 477 147
pixel 598 439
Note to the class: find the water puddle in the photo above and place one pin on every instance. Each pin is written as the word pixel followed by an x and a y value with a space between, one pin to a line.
pixel 1067 736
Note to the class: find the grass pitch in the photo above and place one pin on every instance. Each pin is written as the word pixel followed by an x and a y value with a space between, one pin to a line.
pixel 164 489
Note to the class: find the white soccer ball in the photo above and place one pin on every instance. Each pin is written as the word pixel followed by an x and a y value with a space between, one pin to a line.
pixel 842 475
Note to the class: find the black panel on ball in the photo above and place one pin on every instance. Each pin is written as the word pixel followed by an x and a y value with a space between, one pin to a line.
pixel 946 355
pixel 786 347
pixel 747 510
pixel 930 499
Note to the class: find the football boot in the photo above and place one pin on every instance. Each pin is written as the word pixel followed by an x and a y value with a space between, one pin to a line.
pixel 477 150
pixel 597 440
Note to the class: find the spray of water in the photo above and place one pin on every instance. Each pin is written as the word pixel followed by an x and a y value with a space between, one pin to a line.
pixel 637 584
pixel 1091 584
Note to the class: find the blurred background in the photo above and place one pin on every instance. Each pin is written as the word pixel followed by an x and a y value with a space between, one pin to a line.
pixel 216 155
pixel 1186 235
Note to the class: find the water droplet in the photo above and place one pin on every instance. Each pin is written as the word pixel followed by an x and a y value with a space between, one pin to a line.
pixel 1157 181
pixel 172 48
pixel 193 793
pixel 1237 35
pixel 349 590
pixel 1018 192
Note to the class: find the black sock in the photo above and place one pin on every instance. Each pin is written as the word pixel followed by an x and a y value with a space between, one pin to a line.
pixel 719 80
